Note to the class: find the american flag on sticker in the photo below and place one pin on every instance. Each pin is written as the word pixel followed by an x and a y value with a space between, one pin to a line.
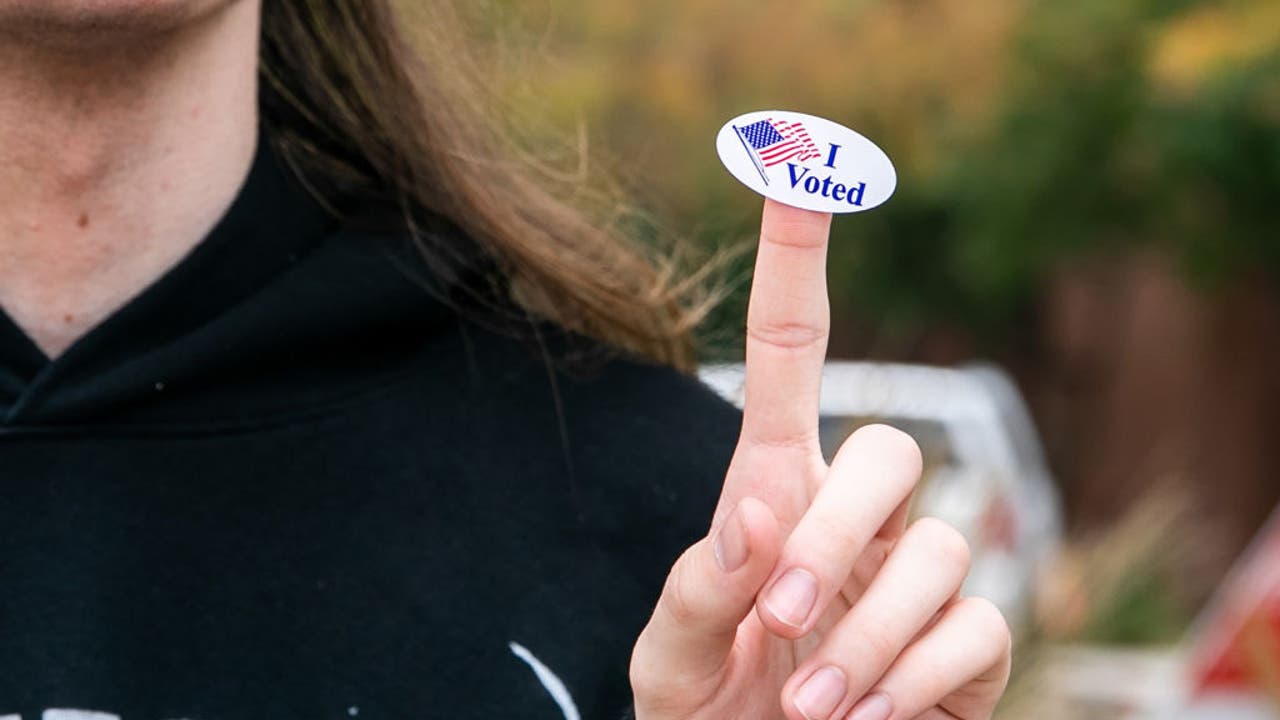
pixel 770 142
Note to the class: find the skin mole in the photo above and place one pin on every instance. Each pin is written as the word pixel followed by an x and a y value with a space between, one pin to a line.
pixel 83 220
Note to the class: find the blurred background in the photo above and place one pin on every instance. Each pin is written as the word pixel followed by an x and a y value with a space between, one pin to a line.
pixel 1088 204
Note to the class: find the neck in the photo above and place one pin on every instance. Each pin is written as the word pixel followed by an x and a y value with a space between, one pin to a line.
pixel 116 159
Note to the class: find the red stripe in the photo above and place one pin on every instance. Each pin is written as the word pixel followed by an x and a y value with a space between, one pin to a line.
pixel 779 144
pixel 780 149
pixel 783 158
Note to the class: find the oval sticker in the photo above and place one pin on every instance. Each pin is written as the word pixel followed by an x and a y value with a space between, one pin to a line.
pixel 806 161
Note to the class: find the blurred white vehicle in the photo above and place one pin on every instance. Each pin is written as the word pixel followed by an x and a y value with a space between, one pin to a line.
pixel 984 469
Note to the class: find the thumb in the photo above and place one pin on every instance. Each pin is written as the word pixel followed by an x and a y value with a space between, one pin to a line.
pixel 710 590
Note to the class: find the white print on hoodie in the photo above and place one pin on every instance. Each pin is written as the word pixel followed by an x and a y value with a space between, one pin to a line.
pixel 554 685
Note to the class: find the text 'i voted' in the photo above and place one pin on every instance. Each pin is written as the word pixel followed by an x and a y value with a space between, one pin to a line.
pixel 806 161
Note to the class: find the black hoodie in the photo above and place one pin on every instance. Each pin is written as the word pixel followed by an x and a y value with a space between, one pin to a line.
pixel 286 482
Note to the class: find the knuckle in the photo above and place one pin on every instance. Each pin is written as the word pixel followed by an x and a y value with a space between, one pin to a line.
pixel 942 541
pixel 990 624
pixel 662 686
pixel 935 676
pixel 788 335
pixel 805 445
pixel 646 682
pixel 678 600
pixel 654 685
pixel 838 535
pixel 898 447
pixel 794 235
pixel 876 648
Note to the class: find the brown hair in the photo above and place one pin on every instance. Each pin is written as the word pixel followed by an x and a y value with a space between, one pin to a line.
pixel 368 111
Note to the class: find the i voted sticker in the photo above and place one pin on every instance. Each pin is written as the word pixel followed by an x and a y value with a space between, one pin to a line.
pixel 806 161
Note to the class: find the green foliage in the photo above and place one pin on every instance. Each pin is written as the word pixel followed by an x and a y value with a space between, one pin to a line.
pixel 1144 611
pixel 1084 156
pixel 1219 172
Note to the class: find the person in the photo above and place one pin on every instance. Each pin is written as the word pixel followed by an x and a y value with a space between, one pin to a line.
pixel 315 404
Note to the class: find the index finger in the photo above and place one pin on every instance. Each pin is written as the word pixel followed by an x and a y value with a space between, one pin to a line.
pixel 788 321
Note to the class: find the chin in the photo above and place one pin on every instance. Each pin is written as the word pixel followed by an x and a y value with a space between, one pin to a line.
pixel 91 20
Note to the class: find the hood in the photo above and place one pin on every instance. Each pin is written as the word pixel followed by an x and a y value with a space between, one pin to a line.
pixel 281 309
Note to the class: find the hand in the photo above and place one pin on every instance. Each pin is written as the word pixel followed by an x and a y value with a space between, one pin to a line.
pixel 811 598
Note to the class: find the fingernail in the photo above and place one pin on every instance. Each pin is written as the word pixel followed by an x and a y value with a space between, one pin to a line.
pixel 875 706
pixel 731 543
pixel 792 597
pixel 818 697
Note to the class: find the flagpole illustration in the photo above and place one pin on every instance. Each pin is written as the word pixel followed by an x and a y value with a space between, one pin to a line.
pixel 755 160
